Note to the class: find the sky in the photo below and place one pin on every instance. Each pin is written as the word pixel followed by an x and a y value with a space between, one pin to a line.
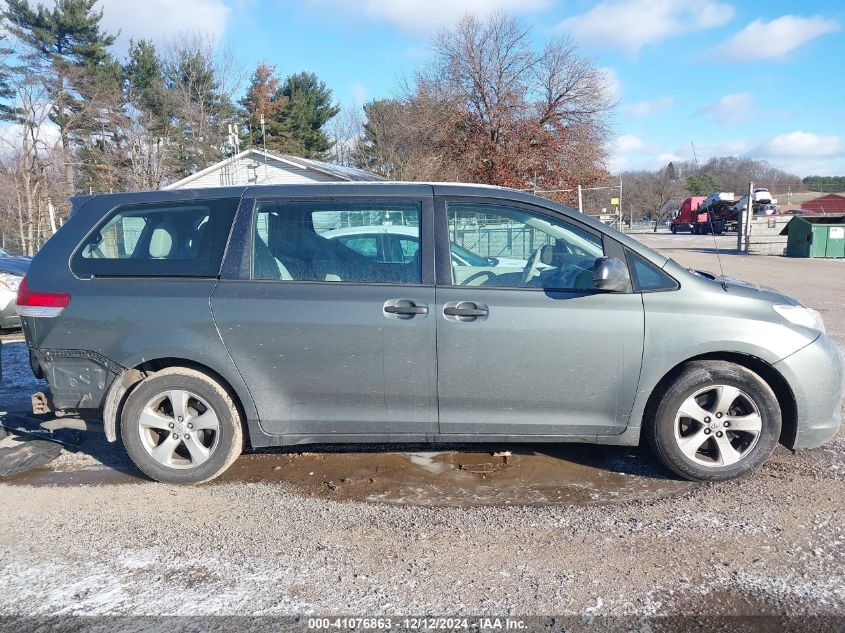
pixel 762 79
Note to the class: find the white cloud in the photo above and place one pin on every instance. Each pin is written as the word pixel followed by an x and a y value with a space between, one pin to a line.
pixel 359 93
pixel 732 108
pixel 772 40
pixel 160 20
pixel 642 109
pixel 628 143
pixel 424 17
pixel 804 145
pixel 614 85
pixel 632 24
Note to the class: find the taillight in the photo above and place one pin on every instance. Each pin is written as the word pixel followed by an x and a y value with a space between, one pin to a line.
pixel 40 304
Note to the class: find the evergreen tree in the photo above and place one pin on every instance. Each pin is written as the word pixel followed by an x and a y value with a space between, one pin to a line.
pixel 306 106
pixel 671 173
pixel 69 51
pixel 145 84
pixel 702 184
pixel 7 92
pixel 202 107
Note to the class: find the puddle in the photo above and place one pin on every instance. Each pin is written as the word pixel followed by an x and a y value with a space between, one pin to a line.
pixel 575 474
pixel 88 476
pixel 567 475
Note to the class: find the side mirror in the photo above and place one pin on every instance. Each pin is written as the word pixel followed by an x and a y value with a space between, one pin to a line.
pixel 610 273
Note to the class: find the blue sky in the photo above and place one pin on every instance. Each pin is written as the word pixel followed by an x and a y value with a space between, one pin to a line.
pixel 762 79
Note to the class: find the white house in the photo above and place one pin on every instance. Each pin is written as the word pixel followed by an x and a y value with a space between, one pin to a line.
pixel 260 167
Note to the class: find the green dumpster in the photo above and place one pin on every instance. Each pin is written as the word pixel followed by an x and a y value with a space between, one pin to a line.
pixel 815 236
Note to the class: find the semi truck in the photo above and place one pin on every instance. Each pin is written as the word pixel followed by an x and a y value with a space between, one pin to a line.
pixel 701 215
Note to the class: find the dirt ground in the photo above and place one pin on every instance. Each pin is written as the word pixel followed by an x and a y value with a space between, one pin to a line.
pixel 513 530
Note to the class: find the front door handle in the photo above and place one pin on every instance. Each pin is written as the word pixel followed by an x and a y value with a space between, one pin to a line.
pixel 465 311
pixel 404 308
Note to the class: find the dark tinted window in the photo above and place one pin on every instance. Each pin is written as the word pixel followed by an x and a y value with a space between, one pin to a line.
pixel 172 239
pixel 647 276
pixel 337 241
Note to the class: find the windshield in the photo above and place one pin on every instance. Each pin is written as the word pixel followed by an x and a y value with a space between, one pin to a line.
pixel 3 253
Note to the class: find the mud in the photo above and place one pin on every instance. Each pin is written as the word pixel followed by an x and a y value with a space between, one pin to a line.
pixel 558 476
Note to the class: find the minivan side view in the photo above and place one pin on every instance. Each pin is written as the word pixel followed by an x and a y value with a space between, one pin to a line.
pixel 198 322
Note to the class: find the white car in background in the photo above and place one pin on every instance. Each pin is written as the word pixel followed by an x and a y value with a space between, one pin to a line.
pixel 12 270
pixel 398 244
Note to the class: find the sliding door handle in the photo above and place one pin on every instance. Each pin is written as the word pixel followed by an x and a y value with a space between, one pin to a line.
pixel 466 312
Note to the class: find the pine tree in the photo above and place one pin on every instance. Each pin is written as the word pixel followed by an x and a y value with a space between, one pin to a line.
pixel 69 51
pixel 7 92
pixel 306 106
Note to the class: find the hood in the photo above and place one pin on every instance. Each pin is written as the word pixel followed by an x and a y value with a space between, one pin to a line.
pixel 510 263
pixel 15 265
pixel 747 288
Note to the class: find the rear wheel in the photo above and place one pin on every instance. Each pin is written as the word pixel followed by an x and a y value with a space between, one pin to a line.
pixel 716 421
pixel 180 426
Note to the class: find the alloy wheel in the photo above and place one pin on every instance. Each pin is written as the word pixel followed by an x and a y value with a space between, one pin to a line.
pixel 179 429
pixel 718 426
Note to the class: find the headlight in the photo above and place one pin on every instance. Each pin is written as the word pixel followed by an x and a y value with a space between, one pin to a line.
pixel 10 281
pixel 799 315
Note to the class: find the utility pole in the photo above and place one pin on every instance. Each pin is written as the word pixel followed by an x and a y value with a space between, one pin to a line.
pixel 621 212
pixel 580 200
pixel 742 242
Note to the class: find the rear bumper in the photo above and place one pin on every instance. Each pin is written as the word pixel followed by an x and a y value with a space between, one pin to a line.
pixel 816 375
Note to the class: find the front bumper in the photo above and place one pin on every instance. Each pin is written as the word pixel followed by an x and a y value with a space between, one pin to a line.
pixel 816 374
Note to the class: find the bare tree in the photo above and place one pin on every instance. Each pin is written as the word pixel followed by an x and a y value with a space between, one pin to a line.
pixel 28 160
pixel 488 108
pixel 345 131
pixel 652 194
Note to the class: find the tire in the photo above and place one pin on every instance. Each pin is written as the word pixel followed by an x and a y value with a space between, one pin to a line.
pixel 721 399
pixel 674 229
pixel 181 449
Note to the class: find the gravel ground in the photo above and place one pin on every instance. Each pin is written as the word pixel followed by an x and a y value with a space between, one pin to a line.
pixel 109 542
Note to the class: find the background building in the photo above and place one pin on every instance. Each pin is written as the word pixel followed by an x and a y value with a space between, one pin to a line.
pixel 266 167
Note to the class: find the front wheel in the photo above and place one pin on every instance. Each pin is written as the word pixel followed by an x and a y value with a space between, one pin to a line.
pixel 716 421
pixel 179 426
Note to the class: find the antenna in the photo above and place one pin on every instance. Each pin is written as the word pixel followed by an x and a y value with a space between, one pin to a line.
pixel 264 144
pixel 718 254
pixel 695 158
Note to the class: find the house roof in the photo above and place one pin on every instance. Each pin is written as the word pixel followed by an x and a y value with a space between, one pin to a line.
pixel 830 203
pixel 336 172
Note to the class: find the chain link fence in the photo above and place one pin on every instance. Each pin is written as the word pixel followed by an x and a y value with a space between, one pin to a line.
pixel 761 232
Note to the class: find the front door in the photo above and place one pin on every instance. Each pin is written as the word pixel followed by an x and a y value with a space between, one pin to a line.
pixel 531 348
pixel 330 340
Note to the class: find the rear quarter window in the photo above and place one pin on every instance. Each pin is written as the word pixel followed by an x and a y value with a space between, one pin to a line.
pixel 170 239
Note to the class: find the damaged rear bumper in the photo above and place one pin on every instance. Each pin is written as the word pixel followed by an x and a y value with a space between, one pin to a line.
pixel 78 379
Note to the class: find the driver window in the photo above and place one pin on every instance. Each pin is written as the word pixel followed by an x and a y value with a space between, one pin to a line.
pixel 507 247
